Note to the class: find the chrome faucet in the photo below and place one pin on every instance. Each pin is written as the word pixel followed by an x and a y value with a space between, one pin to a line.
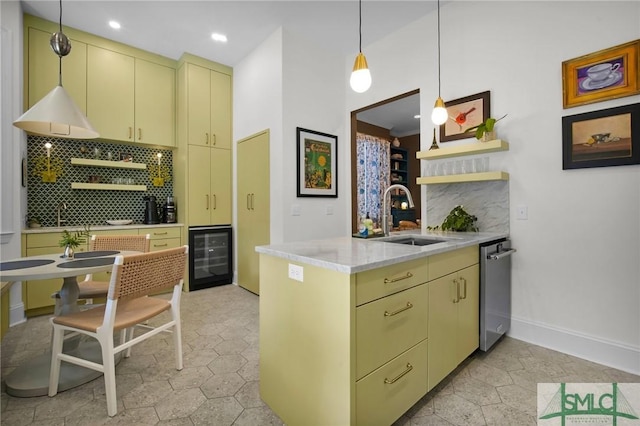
pixel 61 206
pixel 385 207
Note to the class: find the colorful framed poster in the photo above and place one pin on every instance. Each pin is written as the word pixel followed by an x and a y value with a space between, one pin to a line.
pixel 607 74
pixel 609 137
pixel 465 113
pixel 317 164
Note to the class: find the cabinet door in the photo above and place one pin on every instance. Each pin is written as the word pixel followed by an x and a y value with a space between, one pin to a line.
pixel 220 186
pixel 468 311
pixel 110 93
pixel 198 105
pixel 253 207
pixel 443 326
pixel 44 69
pixel 155 99
pixel 198 192
pixel 220 110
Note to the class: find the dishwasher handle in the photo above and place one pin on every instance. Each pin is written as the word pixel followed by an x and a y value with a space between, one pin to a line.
pixel 500 255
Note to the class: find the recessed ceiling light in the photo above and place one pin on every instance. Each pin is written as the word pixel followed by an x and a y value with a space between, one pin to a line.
pixel 219 37
pixel 114 24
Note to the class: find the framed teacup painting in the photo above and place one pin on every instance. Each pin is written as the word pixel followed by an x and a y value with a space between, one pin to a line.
pixel 606 74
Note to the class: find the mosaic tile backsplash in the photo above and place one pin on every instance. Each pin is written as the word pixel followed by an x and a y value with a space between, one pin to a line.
pixel 88 206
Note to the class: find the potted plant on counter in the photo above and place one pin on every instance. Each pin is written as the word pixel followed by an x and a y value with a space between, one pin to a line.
pixel 458 220
pixel 71 241
pixel 485 131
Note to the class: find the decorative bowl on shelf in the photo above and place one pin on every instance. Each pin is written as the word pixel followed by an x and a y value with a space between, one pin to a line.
pixel 119 222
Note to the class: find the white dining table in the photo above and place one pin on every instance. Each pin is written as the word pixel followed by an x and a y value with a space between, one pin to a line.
pixel 31 378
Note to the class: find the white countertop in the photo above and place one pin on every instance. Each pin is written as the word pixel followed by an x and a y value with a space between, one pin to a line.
pixel 351 255
pixel 46 229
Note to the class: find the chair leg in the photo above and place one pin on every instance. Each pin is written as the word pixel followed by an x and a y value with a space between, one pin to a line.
pixel 177 338
pixel 56 349
pixel 108 361
pixel 127 352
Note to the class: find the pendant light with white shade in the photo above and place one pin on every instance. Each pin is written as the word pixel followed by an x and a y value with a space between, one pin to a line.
pixel 439 114
pixel 360 80
pixel 57 114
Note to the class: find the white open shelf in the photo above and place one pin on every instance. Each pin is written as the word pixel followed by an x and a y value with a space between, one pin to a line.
pixel 467 149
pixel 466 177
pixel 107 186
pixel 108 164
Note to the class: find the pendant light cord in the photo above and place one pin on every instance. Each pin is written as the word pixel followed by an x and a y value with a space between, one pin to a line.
pixel 59 55
pixel 438 48
pixel 359 24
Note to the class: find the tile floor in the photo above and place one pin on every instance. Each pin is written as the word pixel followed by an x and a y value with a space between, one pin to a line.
pixel 219 382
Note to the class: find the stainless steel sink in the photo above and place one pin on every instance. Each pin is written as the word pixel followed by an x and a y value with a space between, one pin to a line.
pixel 414 240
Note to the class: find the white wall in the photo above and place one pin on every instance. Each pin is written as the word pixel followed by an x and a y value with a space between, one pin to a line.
pixel 313 99
pixel 576 275
pixel 12 145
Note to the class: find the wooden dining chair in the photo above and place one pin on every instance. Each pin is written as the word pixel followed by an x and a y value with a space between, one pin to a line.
pixel 134 278
pixel 89 288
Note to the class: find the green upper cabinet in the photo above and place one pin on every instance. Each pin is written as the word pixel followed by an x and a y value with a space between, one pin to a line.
pixel 208 107
pixel 130 99
pixel 43 69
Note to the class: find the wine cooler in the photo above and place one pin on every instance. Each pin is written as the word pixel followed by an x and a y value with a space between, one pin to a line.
pixel 210 256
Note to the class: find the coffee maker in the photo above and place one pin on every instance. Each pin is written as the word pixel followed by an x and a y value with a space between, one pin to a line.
pixel 150 210
pixel 170 210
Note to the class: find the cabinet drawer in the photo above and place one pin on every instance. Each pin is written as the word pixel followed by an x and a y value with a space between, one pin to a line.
pixel 452 261
pixel 381 282
pixel 161 233
pixel 381 403
pixel 390 326
pixel 50 239
pixel 164 244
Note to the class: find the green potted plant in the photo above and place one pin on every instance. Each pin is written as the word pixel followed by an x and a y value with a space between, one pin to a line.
pixel 485 130
pixel 70 241
pixel 458 220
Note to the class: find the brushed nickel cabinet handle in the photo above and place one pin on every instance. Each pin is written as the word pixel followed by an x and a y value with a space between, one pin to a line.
pixel 215 202
pixel 457 284
pixel 399 376
pixel 393 280
pixel 160 245
pixel 160 233
pixel 207 195
pixel 390 314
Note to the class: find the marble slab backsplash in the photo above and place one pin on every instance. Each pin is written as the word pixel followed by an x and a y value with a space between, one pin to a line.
pixel 488 201
pixel 91 207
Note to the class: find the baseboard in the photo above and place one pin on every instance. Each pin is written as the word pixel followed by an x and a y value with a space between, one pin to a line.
pixel 613 354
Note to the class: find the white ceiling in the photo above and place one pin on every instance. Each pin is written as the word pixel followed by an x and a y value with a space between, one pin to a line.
pixel 170 28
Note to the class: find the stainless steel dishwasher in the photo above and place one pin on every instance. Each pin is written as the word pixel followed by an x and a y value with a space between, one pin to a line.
pixel 495 291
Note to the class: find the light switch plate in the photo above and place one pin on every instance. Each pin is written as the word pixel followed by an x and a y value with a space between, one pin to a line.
pixel 329 210
pixel 295 210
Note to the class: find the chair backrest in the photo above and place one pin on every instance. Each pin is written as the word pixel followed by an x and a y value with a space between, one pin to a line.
pixel 120 242
pixel 139 275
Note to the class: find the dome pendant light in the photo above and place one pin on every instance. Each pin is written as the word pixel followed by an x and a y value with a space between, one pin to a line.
pixel 439 114
pixel 56 114
pixel 360 80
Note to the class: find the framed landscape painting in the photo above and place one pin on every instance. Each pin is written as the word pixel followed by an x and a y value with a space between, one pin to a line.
pixel 317 164
pixel 607 74
pixel 609 137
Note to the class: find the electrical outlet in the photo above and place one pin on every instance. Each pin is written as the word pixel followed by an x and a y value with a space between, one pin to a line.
pixel 522 212
pixel 296 272
pixel 329 210
pixel 295 210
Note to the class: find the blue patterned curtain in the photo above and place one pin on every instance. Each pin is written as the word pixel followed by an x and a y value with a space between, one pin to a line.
pixel 373 175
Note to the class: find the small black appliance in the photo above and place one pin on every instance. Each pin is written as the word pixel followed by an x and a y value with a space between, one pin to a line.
pixel 170 210
pixel 150 210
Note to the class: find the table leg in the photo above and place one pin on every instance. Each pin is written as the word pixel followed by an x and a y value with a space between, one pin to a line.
pixel 32 377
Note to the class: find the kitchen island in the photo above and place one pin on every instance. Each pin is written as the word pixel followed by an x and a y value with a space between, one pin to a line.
pixel 356 331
